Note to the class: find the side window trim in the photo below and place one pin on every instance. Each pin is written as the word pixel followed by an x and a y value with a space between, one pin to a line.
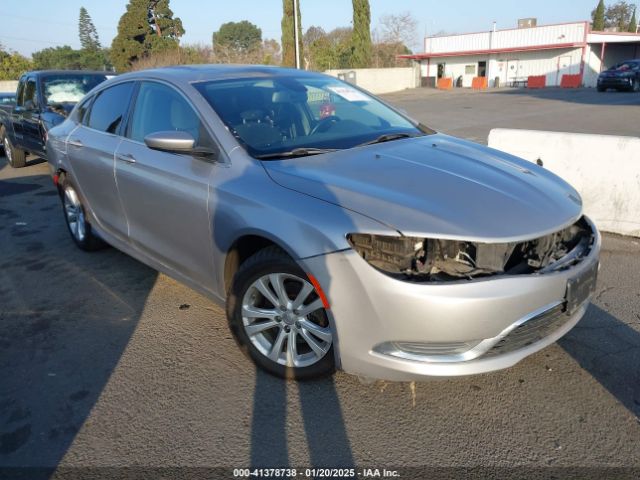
pixel 126 127
pixel 20 91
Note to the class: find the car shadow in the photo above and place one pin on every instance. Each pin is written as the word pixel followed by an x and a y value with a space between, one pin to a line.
pixel 66 317
pixel 609 350
pixel 324 427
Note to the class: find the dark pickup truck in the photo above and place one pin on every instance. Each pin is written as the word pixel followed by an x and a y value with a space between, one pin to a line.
pixel 43 100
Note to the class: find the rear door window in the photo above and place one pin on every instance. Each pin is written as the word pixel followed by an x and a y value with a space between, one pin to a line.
pixel 109 108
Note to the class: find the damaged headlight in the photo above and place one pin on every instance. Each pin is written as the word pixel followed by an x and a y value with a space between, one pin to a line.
pixel 392 255
pixel 431 259
pixel 422 259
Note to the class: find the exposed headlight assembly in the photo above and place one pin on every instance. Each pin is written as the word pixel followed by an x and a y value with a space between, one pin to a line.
pixel 392 255
pixel 418 258
pixel 424 260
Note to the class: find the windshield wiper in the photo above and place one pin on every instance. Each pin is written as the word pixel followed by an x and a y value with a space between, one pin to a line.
pixel 296 152
pixel 388 137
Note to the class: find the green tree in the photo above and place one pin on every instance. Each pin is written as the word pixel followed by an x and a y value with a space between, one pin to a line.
pixel 617 16
pixel 633 24
pixel 58 58
pixel 66 58
pixel 168 30
pixel 325 51
pixel 146 27
pixel 87 32
pixel 241 37
pixel 288 34
pixel 361 41
pixel 12 64
pixel 271 52
pixel 598 17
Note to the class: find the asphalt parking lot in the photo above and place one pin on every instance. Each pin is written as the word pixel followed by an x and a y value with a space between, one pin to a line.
pixel 472 114
pixel 106 363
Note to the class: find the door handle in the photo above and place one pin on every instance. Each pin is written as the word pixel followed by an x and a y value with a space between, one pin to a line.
pixel 127 157
pixel 75 142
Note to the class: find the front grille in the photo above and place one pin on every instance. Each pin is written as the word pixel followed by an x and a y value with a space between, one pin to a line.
pixel 531 331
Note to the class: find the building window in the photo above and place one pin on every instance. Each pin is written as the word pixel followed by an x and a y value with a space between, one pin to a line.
pixel 470 69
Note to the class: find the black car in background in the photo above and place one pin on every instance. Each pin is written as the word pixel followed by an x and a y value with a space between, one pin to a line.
pixel 43 100
pixel 624 76
pixel 7 101
pixel 7 98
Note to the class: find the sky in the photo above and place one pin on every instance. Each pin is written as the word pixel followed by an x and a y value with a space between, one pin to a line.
pixel 30 25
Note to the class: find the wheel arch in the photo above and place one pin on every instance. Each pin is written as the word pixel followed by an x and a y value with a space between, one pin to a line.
pixel 243 247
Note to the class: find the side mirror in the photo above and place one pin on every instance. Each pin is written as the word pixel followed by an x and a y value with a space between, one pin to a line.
pixel 175 141
pixel 171 141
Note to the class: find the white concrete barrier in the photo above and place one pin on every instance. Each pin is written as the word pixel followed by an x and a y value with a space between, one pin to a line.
pixel 8 85
pixel 605 169
pixel 381 80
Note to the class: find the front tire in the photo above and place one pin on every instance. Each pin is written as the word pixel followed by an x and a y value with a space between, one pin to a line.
pixel 76 219
pixel 17 158
pixel 278 319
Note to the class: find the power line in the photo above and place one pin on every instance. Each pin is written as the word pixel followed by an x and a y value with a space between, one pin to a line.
pixel 31 40
pixel 49 22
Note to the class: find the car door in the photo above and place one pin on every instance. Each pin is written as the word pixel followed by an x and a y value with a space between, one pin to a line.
pixel 30 118
pixel 16 114
pixel 165 194
pixel 91 149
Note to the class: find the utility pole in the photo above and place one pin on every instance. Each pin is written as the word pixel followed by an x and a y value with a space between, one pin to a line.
pixel 295 35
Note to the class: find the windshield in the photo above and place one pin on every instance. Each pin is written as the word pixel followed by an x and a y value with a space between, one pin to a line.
pixel 66 88
pixel 271 115
pixel 626 66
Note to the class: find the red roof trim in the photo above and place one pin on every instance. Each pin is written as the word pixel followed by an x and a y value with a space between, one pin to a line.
pixel 554 46
pixel 630 34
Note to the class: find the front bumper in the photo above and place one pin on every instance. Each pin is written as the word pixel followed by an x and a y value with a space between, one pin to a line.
pixel 615 82
pixel 370 309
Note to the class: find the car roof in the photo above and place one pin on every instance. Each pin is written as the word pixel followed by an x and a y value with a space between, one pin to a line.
pixel 46 73
pixel 197 73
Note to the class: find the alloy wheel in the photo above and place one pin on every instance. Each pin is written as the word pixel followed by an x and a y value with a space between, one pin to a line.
pixel 75 214
pixel 285 320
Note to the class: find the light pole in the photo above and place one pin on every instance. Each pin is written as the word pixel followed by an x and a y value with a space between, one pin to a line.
pixel 295 35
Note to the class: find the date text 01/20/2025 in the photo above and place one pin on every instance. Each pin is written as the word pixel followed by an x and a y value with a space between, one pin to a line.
pixel 315 473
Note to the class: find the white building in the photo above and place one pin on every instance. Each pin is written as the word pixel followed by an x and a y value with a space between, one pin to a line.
pixel 512 55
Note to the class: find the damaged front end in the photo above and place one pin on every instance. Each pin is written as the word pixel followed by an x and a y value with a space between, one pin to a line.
pixel 436 260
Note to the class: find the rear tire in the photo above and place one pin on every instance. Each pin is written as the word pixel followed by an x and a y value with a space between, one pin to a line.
pixel 289 336
pixel 76 219
pixel 17 158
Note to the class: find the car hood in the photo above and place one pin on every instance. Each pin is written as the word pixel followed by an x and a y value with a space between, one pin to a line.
pixel 617 73
pixel 437 185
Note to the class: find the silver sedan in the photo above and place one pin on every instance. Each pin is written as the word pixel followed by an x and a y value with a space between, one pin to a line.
pixel 338 232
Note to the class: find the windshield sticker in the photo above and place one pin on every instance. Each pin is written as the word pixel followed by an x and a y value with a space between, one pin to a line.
pixel 350 94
